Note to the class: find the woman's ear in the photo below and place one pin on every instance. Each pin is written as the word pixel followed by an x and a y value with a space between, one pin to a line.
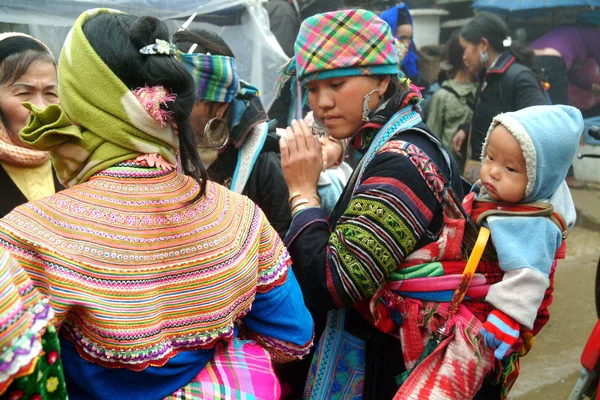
pixel 484 45
pixel 220 109
pixel 383 85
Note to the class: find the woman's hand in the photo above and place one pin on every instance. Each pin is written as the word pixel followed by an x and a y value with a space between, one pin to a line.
pixel 458 140
pixel 301 158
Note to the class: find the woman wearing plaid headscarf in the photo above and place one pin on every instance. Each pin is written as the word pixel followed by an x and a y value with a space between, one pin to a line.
pixel 399 209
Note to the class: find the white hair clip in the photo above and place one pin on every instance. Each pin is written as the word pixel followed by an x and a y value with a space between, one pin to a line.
pixel 159 47
pixel 507 42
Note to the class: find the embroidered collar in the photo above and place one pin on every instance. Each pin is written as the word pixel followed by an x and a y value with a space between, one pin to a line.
pixel 501 64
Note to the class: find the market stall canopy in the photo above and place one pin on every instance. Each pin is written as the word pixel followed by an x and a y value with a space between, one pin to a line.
pixel 243 24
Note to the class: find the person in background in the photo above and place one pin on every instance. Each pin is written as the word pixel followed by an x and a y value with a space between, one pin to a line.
pixel 27 73
pixel 236 144
pixel 561 53
pixel 284 23
pixel 506 79
pixel 401 23
pixel 164 284
pixel 453 104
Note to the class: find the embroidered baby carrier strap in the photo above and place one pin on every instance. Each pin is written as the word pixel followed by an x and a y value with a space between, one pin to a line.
pixel 404 119
pixel 247 156
pixel 484 208
pixel 438 334
pixel 422 274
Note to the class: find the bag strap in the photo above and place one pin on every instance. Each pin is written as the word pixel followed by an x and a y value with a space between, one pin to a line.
pixel 469 139
pixel 469 271
pixel 455 93
pixel 404 119
pixel 484 208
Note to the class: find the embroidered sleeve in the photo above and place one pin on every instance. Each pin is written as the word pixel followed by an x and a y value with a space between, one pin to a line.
pixel 24 317
pixel 389 214
pixel 273 259
pixel 278 319
pixel 12 239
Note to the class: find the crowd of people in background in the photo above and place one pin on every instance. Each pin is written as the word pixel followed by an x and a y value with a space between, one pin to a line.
pixel 164 236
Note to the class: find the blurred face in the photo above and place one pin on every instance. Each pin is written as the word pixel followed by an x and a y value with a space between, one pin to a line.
pixel 332 150
pixel 38 86
pixel 471 56
pixel 338 102
pixel 504 172
pixel 404 34
pixel 209 144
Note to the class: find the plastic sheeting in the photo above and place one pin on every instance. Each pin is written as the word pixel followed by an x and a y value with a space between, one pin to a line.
pixel 243 24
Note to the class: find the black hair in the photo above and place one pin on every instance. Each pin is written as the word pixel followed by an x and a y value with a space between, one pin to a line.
pixel 206 42
pixel 17 54
pixel 403 18
pixel 453 53
pixel 117 39
pixel 494 29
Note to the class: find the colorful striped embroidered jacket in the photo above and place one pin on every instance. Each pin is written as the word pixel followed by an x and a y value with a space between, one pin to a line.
pixel 137 269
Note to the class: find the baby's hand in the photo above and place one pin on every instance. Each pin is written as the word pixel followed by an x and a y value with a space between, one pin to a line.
pixel 500 332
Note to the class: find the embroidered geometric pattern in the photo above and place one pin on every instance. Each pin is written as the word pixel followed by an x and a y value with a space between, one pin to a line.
pixel 381 225
pixel 153 277
pixel 378 229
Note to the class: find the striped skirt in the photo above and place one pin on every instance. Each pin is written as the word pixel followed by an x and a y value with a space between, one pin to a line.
pixel 240 370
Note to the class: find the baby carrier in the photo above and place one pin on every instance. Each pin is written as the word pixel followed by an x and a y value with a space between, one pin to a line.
pixel 439 333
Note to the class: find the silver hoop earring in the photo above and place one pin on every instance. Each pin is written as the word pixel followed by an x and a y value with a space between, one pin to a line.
pixel 216 134
pixel 366 111
pixel 484 57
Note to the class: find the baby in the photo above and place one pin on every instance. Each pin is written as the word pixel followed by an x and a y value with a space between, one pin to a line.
pixel 525 159
pixel 335 172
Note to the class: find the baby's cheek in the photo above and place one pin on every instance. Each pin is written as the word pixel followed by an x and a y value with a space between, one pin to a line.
pixel 324 154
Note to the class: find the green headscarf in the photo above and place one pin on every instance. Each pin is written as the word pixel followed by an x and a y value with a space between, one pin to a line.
pixel 112 125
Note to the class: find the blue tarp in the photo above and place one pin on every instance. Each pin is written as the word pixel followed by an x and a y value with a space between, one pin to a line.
pixel 523 5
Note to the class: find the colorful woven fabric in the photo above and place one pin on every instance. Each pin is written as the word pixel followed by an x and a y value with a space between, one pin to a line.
pixel 45 380
pixel 343 43
pixel 216 77
pixel 24 315
pixel 238 370
pixel 457 366
pixel 30 361
pixel 138 271
pixel 337 371
pixel 117 126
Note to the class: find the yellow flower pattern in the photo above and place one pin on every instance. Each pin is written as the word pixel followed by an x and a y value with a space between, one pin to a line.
pixel 52 384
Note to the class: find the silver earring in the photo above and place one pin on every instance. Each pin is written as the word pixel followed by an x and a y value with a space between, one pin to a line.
pixel 216 134
pixel 484 57
pixel 366 111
